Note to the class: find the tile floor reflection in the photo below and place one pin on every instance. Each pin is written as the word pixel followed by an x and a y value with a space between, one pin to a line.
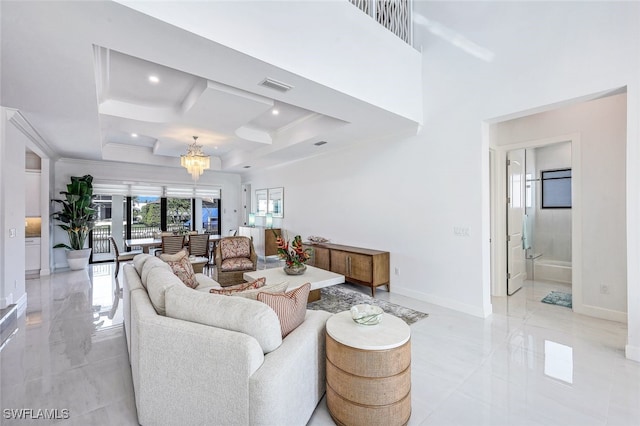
pixel 528 364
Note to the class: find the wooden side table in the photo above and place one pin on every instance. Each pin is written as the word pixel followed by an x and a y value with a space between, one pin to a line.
pixel 368 371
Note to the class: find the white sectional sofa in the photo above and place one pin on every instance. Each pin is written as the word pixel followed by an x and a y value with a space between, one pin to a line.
pixel 205 359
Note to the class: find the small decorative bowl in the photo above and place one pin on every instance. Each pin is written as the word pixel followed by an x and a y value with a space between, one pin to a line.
pixel 366 314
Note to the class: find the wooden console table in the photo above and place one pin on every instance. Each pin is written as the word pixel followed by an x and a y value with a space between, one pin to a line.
pixel 358 265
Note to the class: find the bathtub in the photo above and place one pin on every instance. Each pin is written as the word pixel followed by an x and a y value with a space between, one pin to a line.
pixel 552 270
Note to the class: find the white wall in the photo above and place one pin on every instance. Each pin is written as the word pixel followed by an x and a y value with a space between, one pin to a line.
pixel 407 195
pixel 12 211
pixel 125 172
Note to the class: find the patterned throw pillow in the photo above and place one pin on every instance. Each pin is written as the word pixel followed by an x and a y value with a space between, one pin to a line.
pixel 291 307
pixel 228 291
pixel 271 288
pixel 235 247
pixel 181 267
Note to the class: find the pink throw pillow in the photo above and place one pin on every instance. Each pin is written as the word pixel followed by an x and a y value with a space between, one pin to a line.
pixel 291 307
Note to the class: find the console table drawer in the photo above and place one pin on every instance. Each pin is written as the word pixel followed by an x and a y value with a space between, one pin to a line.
pixel 358 265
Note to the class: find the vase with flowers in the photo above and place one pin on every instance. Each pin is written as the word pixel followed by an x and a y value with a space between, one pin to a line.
pixel 294 255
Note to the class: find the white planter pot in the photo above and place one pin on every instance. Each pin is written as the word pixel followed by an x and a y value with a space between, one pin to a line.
pixel 78 259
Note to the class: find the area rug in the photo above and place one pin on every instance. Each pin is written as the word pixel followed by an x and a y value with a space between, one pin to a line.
pixel 340 298
pixel 558 298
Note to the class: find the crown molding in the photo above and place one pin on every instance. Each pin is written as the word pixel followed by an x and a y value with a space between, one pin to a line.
pixel 40 145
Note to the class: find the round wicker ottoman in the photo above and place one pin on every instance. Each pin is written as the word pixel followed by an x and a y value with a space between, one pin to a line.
pixel 368 371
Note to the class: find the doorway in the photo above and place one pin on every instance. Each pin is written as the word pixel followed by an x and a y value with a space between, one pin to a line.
pixel 539 216
pixel 526 247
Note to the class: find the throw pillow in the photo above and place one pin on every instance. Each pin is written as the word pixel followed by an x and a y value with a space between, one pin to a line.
pixel 228 291
pixel 181 267
pixel 271 288
pixel 291 307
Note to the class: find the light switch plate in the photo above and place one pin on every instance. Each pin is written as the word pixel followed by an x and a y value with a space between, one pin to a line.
pixel 12 233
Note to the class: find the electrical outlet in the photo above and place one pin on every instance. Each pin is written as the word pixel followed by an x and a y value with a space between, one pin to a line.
pixel 461 231
pixel 397 270
pixel 604 289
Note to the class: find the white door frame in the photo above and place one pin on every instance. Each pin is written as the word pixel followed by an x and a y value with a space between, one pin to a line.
pixel 498 212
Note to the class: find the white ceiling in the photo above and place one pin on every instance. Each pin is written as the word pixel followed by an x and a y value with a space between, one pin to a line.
pixel 79 72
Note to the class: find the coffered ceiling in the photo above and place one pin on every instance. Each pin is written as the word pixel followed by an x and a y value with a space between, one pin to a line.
pixel 101 81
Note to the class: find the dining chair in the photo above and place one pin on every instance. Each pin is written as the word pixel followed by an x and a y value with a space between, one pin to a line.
pixel 171 244
pixel 199 246
pixel 124 257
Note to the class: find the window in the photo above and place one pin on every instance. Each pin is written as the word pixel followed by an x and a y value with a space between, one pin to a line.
pixel 178 214
pixel 556 189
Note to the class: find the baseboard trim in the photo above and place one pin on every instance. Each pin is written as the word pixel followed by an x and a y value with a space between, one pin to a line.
pixel 22 304
pixel 602 313
pixel 443 301
pixel 632 353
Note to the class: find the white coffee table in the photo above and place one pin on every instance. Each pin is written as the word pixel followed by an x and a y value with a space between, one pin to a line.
pixel 318 278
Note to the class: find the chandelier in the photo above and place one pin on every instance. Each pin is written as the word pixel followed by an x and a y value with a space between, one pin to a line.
pixel 195 161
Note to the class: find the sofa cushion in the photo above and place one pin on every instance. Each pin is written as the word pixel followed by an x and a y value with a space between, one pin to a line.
pixel 236 264
pixel 158 282
pixel 235 247
pixel 228 291
pixel 181 267
pixel 139 261
pixel 230 313
pixel 150 264
pixel 269 288
pixel 290 307
pixel 206 281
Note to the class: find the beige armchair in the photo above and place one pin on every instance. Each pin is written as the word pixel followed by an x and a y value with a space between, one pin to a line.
pixel 234 257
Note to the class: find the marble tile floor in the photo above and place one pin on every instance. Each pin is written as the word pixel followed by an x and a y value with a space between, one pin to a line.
pixel 528 364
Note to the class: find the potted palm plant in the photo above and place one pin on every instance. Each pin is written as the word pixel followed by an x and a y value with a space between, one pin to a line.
pixel 77 218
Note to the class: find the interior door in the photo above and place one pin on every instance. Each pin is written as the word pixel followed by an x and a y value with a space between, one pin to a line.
pixel 516 267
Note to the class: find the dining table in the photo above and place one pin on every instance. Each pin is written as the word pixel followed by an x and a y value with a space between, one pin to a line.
pixel 149 243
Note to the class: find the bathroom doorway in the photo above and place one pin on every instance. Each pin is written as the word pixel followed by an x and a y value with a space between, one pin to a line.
pixel 561 152
pixel 547 221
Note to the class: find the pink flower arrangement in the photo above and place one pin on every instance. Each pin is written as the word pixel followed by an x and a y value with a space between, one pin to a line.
pixel 294 254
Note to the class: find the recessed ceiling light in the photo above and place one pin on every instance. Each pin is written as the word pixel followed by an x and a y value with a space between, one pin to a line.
pixel 134 135
pixel 320 143
pixel 215 147
pixel 153 79
pixel 275 111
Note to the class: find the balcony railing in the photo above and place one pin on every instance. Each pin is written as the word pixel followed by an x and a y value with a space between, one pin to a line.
pixel 101 234
pixel 394 15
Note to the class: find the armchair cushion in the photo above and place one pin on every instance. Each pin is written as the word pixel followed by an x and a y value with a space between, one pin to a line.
pixel 181 267
pixel 236 264
pixel 291 307
pixel 235 247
